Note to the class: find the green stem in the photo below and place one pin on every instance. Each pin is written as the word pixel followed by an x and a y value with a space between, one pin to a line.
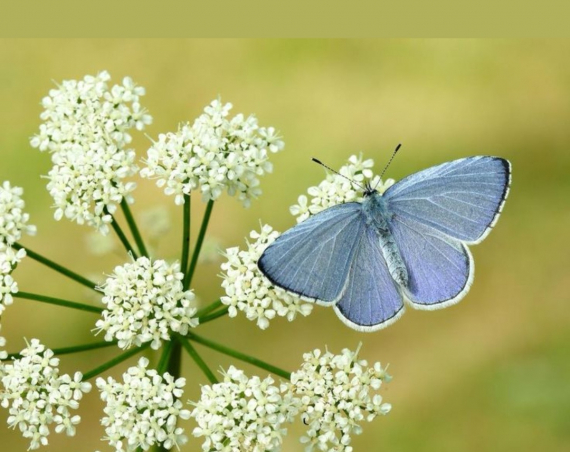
pixel 133 227
pixel 199 361
pixel 213 316
pixel 112 363
pixel 199 242
pixel 175 358
pixel 185 238
pixel 123 237
pixel 164 357
pixel 73 349
pixel 59 302
pixel 207 309
pixel 238 355
pixel 58 268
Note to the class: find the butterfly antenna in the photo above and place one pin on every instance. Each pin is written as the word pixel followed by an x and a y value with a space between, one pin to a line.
pixel 391 158
pixel 336 172
pixel 388 164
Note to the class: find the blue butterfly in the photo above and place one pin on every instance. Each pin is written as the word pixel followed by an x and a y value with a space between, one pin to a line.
pixel 408 243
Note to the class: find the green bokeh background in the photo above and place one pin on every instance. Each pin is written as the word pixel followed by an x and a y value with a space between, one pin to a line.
pixel 490 374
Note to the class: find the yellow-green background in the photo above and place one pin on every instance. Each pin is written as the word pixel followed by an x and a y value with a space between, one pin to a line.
pixel 490 374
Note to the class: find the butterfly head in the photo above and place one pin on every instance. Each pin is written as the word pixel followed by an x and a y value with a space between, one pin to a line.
pixel 369 190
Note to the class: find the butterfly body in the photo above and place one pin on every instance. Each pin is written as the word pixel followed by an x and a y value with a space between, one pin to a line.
pixel 407 244
pixel 378 217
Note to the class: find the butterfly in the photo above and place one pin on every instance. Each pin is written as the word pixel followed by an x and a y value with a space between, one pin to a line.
pixel 409 244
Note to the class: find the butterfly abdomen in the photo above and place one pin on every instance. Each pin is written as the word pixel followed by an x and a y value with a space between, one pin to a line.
pixel 377 216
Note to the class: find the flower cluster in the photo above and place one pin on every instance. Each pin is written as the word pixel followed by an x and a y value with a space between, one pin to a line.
pixel 86 130
pixel 37 396
pixel 249 291
pixel 332 393
pixel 337 392
pixel 143 410
pixel 13 223
pixel 243 414
pixel 338 189
pixel 146 302
pixel 213 154
pixel 13 220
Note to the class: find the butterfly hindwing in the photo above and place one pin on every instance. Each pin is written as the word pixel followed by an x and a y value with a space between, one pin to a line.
pixel 440 269
pixel 313 258
pixel 462 198
pixel 371 300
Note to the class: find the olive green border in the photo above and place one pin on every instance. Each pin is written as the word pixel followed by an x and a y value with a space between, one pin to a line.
pixel 270 18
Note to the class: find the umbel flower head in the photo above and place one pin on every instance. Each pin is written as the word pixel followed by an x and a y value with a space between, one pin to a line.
pixel 249 291
pixel 13 223
pixel 13 219
pixel 86 130
pixel 337 393
pixel 38 397
pixel 143 410
pixel 146 303
pixel 243 414
pixel 213 154
pixel 338 189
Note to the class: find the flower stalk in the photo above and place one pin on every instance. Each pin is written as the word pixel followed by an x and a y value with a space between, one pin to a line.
pixel 59 302
pixel 58 268
pixel 239 355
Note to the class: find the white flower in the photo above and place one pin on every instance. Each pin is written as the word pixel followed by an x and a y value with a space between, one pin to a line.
pixel 212 155
pixel 338 189
pixel 36 396
pixel 243 414
pixel 13 223
pixel 146 303
pixel 249 291
pixel 9 260
pixel 86 130
pixel 13 220
pixel 337 393
pixel 8 287
pixel 143 410
pixel 3 353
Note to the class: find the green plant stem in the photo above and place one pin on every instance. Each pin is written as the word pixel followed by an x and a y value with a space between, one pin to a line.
pixel 123 237
pixel 238 355
pixel 199 242
pixel 164 357
pixel 207 309
pixel 199 361
pixel 58 268
pixel 186 238
pixel 112 363
pixel 133 227
pixel 209 317
pixel 175 359
pixel 72 349
pixel 59 302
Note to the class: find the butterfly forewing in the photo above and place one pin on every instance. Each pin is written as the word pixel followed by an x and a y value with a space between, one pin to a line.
pixel 462 198
pixel 313 258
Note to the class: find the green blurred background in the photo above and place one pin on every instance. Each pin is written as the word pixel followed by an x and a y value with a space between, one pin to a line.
pixel 490 374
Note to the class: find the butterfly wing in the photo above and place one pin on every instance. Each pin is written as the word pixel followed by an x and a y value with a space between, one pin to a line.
pixel 434 214
pixel 371 300
pixel 462 198
pixel 440 269
pixel 313 258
